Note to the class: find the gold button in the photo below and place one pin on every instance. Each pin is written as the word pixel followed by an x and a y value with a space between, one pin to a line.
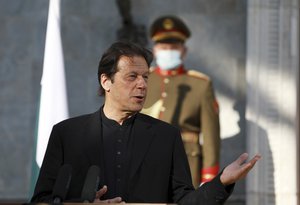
pixel 173 72
pixel 166 80
pixel 164 94
pixel 194 153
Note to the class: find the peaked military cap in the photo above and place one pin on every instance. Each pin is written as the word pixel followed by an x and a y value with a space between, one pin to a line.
pixel 169 29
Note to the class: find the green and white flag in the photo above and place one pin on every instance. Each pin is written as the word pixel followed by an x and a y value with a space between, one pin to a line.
pixel 53 105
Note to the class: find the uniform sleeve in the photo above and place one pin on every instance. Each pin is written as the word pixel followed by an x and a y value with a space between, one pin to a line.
pixel 210 129
pixel 53 160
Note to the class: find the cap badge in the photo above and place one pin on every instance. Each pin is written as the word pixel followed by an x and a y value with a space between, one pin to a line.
pixel 168 24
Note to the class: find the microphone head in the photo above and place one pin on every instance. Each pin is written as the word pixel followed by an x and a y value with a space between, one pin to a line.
pixel 91 184
pixel 62 183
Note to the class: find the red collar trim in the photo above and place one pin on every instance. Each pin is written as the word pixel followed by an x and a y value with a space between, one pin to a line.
pixel 178 71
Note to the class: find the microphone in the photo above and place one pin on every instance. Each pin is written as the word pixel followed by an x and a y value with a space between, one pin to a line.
pixel 91 184
pixel 62 183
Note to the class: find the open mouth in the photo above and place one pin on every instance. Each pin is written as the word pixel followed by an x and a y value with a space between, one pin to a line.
pixel 139 97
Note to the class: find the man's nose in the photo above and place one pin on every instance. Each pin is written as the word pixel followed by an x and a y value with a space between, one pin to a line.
pixel 142 82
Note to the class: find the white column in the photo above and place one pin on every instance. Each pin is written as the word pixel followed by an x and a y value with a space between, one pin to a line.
pixel 272 86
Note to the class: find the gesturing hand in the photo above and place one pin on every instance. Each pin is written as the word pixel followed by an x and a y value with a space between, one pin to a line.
pixel 238 169
pixel 101 192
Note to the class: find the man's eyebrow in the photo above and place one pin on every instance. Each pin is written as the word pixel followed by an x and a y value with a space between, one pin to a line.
pixel 131 72
pixel 136 72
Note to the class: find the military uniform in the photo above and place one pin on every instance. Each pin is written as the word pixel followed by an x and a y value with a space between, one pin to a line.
pixel 185 98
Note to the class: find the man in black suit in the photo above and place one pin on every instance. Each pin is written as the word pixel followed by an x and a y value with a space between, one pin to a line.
pixel 142 159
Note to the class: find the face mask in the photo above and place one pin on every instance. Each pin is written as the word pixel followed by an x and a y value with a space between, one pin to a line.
pixel 168 59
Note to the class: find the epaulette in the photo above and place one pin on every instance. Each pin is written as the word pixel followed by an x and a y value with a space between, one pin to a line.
pixel 198 74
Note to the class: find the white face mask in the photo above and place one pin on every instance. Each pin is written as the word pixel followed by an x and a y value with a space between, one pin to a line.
pixel 168 59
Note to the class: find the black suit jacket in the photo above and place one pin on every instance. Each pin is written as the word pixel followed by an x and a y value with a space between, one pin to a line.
pixel 158 172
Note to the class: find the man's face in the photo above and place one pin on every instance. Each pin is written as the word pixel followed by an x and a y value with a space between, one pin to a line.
pixel 127 91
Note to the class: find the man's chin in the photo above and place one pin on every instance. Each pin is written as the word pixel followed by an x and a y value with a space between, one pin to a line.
pixel 138 108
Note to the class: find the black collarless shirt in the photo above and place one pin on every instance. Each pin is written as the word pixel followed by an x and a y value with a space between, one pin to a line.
pixel 116 151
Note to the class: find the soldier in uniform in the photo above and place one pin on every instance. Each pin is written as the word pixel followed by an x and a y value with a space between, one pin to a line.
pixel 184 98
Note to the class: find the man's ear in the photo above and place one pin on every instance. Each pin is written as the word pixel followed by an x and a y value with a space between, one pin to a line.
pixel 184 52
pixel 105 82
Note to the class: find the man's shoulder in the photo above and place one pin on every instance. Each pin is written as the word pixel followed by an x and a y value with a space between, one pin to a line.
pixel 156 122
pixel 198 75
pixel 80 120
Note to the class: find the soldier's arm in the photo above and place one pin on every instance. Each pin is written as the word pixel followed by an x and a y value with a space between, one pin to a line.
pixel 210 129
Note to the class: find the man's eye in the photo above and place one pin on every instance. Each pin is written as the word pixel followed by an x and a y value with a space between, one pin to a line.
pixel 132 76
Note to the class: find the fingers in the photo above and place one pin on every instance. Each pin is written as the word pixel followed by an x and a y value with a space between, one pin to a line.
pixel 238 169
pixel 242 158
pixel 249 165
pixel 113 200
pixel 255 159
pixel 101 192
